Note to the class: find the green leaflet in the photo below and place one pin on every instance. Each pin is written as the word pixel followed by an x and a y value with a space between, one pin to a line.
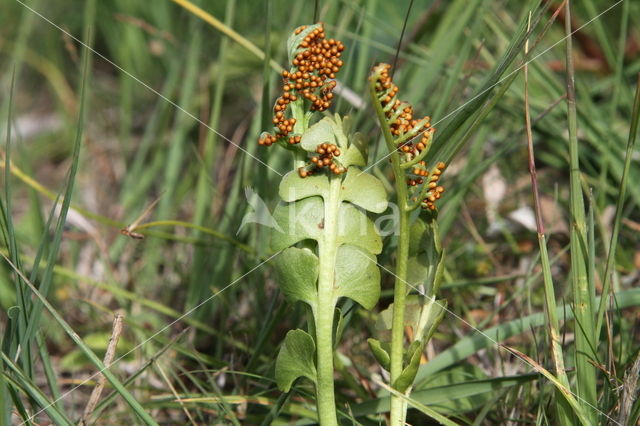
pixel 297 273
pixel 415 346
pixel 335 130
pixel 356 154
pixel 428 314
pixel 380 352
pixel 417 236
pixel 414 353
pixel 321 132
pixel 294 188
pixel 295 359
pixel 425 263
pixel 304 219
pixel 422 314
pixel 329 129
pixel 342 128
pixel 362 189
pixel 357 276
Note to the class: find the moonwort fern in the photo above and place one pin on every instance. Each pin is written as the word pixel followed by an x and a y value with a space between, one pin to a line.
pixel 327 241
pixel 419 257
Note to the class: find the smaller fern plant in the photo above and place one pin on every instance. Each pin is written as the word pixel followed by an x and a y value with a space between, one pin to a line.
pixel 419 256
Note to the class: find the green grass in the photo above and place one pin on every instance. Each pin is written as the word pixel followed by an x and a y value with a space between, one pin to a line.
pixel 134 122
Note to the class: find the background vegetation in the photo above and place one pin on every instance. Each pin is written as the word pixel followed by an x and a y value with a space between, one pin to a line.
pixel 164 111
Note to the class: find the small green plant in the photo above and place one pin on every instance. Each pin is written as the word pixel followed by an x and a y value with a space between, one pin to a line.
pixel 328 243
pixel 419 257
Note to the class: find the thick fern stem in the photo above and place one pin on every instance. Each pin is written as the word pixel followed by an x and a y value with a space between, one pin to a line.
pixel 327 248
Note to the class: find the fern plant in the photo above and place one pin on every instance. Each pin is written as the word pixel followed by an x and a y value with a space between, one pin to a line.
pixel 419 257
pixel 327 241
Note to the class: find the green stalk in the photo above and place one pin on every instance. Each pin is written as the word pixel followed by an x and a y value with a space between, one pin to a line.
pixel 563 408
pixel 327 248
pixel 398 405
pixel 582 295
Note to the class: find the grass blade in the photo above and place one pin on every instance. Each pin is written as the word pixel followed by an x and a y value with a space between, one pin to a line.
pixel 47 277
pixel 444 394
pixel 564 390
pixel 631 143
pixel 553 325
pixel 106 401
pixel 20 381
pixel 583 295
pixel 133 403
pixel 491 336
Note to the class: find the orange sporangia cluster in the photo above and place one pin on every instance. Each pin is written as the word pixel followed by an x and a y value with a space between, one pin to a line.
pixel 405 131
pixel 420 170
pixel 326 151
pixel 435 190
pixel 312 67
pixel 402 113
